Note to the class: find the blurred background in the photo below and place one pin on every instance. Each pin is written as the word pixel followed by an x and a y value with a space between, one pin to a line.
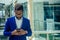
pixel 44 17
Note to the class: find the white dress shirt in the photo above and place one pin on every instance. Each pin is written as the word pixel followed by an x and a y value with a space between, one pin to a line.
pixel 18 22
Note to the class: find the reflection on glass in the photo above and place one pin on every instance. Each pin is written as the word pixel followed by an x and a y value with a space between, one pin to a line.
pixel 57 16
pixel 38 16
pixel 40 36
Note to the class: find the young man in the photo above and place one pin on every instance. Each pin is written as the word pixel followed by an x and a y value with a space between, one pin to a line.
pixel 17 27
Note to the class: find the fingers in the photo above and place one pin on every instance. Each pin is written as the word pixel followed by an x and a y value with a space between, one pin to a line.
pixel 14 32
pixel 21 32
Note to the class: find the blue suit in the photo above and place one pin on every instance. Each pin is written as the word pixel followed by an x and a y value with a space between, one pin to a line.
pixel 11 26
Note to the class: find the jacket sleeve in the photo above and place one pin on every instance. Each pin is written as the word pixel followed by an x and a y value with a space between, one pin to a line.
pixel 28 29
pixel 7 29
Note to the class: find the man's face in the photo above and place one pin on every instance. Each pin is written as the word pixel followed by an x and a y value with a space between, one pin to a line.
pixel 18 13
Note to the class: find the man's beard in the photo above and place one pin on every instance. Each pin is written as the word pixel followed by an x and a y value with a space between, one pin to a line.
pixel 18 17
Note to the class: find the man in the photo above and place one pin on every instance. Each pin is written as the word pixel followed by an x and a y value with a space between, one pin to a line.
pixel 17 27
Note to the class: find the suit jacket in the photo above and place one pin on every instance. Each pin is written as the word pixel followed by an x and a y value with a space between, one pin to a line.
pixel 11 25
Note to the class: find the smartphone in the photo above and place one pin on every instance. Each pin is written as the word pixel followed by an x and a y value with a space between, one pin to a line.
pixel 18 29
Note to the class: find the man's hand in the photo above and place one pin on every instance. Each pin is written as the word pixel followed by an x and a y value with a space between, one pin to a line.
pixel 14 32
pixel 22 32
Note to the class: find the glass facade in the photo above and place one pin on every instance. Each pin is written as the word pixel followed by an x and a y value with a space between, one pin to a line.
pixel 46 19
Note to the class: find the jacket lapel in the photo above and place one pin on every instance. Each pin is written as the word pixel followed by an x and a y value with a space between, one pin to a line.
pixel 22 23
pixel 14 22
